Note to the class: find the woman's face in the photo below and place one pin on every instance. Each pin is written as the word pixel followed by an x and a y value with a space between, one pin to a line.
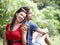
pixel 20 16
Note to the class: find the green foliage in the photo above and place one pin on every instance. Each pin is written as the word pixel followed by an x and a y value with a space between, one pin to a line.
pixel 51 19
pixel 46 17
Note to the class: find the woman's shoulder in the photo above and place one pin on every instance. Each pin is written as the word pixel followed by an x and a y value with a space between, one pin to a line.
pixel 7 25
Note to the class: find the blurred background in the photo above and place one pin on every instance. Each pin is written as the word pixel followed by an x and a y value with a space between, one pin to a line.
pixel 46 14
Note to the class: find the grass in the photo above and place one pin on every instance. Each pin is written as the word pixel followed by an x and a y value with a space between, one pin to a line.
pixel 55 40
pixel 1 41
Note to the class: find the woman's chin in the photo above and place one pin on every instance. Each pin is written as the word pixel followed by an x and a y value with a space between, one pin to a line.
pixel 20 21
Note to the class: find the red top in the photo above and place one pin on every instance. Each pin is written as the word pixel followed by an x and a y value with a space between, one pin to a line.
pixel 14 35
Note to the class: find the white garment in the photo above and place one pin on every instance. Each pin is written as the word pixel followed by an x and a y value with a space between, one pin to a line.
pixel 39 41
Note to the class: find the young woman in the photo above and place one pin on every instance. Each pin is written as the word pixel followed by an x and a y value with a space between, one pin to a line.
pixel 14 32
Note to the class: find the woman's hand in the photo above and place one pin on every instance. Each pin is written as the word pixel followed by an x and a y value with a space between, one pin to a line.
pixel 24 33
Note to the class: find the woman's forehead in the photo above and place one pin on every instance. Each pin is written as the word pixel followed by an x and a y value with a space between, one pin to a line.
pixel 22 13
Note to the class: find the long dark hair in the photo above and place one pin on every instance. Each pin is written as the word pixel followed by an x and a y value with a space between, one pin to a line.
pixel 22 9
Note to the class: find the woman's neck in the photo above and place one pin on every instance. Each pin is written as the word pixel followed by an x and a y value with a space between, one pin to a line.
pixel 16 22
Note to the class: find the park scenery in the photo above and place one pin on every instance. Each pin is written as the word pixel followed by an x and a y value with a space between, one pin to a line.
pixel 46 14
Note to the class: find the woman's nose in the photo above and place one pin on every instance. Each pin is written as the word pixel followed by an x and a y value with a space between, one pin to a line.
pixel 22 17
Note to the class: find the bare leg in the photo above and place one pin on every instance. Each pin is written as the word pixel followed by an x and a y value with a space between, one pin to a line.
pixel 47 39
pixel 44 36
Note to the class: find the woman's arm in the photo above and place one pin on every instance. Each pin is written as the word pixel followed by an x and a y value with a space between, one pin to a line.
pixel 24 33
pixel 24 37
pixel 4 40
